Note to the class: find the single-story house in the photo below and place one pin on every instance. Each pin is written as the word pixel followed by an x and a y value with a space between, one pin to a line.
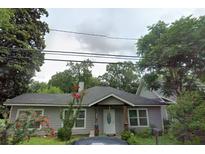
pixel 110 109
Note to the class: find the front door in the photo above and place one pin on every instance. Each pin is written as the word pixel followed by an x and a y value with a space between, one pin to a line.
pixel 109 121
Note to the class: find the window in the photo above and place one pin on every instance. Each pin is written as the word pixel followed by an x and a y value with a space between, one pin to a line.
pixel 24 113
pixel 80 121
pixel 138 117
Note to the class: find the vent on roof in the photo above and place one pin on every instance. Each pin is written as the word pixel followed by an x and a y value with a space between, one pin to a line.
pixel 81 86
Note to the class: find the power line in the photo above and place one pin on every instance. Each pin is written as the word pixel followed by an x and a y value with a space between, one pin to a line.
pixel 99 62
pixel 95 35
pixel 73 52
pixel 91 56
pixel 90 53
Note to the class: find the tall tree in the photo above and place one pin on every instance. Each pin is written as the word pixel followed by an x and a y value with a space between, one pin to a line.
pixel 17 65
pixel 174 54
pixel 81 71
pixel 36 86
pixel 63 80
pixel 188 122
pixel 5 16
pixel 73 75
pixel 122 75
pixel 50 90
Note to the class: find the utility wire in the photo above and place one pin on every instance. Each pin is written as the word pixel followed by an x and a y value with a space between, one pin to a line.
pixel 99 62
pixel 95 35
pixel 63 60
pixel 72 52
pixel 90 53
pixel 90 56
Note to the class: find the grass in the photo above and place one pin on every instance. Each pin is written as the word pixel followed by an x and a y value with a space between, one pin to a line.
pixel 162 140
pixel 43 141
pixel 38 140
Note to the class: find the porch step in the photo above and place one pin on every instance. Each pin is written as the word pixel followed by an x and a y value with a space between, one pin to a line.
pixel 92 133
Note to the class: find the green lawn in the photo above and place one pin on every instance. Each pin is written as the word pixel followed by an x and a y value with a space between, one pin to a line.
pixel 44 141
pixel 163 140
pixel 50 140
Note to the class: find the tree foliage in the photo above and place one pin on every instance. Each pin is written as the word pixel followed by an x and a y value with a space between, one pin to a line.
pixel 5 16
pixel 35 86
pixel 77 72
pixel 174 54
pixel 123 76
pixel 188 122
pixel 18 66
pixel 72 113
pixel 50 90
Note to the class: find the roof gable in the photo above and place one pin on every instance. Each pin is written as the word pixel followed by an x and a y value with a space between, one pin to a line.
pixel 108 96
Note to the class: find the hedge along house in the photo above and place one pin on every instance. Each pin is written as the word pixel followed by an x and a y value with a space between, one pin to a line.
pixel 109 109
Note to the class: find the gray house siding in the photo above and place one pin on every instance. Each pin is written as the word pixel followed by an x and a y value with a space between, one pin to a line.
pixel 53 114
pixel 154 117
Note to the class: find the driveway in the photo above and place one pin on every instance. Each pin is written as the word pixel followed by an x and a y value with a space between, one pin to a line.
pixel 101 140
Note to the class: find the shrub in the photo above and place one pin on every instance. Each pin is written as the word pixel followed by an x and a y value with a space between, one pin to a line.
pixel 61 134
pixel 188 116
pixel 126 135
pixel 145 132
pixel 133 140
pixel 166 125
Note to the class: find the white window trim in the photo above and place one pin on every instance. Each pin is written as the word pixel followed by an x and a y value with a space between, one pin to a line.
pixel 18 110
pixel 74 124
pixel 137 109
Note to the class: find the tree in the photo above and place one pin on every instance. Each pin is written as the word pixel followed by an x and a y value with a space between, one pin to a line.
pixel 188 123
pixel 63 80
pixel 50 90
pixel 122 75
pixel 35 86
pixel 81 71
pixel 5 16
pixel 78 72
pixel 173 54
pixel 72 113
pixel 21 44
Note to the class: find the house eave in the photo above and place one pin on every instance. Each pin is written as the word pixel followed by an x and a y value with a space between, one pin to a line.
pixel 59 105
pixel 111 95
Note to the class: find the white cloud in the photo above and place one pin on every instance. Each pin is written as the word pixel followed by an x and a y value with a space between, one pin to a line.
pixel 112 22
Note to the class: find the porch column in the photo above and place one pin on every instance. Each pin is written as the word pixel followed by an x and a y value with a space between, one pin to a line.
pixel 125 116
pixel 96 123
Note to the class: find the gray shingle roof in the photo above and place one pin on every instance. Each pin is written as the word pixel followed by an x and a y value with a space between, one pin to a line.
pixel 91 95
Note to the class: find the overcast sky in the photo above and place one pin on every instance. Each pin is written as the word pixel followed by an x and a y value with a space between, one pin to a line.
pixel 113 22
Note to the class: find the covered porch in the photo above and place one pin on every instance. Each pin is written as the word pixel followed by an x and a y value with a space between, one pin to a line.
pixel 111 116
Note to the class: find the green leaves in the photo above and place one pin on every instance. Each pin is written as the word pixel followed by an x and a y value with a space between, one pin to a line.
pixel 175 52
pixel 77 72
pixel 188 115
pixel 21 28
pixel 124 76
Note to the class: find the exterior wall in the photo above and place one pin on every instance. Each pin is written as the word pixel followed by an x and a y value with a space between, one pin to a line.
pixel 155 118
pixel 164 112
pixel 111 101
pixel 53 114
